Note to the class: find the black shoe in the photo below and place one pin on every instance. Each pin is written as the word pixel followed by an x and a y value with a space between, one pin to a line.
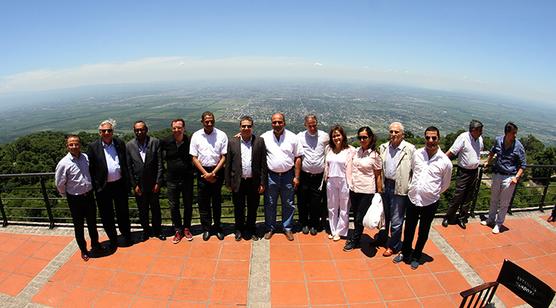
pixel 220 235
pixel 161 237
pixel 461 223
pixel 313 231
pixel 305 229
pixel 350 245
pixel 128 241
pixel 206 236
pixel 445 223
pixel 289 235
pixel 238 236
pixel 97 247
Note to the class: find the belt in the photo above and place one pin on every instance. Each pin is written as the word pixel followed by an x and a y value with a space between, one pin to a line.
pixel 465 170
pixel 505 173
pixel 82 195
pixel 312 174
pixel 281 173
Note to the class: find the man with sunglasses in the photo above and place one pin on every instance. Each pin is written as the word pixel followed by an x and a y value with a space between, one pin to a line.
pixel 467 148
pixel 432 173
pixel 108 168
pixel 246 176
pixel 144 161
pixel 283 158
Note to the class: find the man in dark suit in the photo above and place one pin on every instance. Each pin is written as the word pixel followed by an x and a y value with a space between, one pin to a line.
pixel 246 176
pixel 144 162
pixel 108 168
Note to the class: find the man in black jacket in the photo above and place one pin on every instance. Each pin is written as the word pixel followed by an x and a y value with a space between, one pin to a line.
pixel 246 176
pixel 179 179
pixel 108 168
pixel 144 162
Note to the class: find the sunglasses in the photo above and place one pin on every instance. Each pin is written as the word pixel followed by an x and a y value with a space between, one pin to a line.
pixel 277 122
pixel 362 137
pixel 246 126
pixel 109 130
pixel 432 138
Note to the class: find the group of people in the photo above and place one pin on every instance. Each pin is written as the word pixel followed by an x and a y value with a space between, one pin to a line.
pixel 328 175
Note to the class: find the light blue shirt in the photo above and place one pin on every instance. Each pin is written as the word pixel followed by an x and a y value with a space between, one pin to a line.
pixel 72 175
pixel 112 162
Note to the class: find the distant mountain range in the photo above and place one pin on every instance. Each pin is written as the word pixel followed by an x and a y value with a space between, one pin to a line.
pixel 349 104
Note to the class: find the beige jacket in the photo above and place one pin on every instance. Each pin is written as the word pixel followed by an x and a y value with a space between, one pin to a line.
pixel 403 170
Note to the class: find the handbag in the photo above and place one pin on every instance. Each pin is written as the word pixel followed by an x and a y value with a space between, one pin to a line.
pixel 374 218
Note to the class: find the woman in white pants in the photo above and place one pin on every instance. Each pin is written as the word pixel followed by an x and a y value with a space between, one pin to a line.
pixel 338 153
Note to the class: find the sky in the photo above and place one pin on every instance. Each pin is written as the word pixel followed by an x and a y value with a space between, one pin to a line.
pixel 498 47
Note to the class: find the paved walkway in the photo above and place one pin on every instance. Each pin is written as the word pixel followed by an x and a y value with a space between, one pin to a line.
pixel 42 267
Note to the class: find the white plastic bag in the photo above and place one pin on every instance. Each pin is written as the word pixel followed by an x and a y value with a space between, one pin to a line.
pixel 374 218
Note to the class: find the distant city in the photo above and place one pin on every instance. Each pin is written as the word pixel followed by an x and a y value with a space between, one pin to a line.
pixel 350 104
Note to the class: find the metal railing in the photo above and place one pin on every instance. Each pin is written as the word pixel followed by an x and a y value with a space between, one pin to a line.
pixel 39 202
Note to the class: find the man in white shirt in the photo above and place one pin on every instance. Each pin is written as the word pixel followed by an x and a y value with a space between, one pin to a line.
pixel 208 149
pixel 467 148
pixel 283 157
pixel 309 195
pixel 432 172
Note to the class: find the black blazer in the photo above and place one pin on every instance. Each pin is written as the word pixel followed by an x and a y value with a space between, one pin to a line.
pixel 146 174
pixel 258 164
pixel 97 163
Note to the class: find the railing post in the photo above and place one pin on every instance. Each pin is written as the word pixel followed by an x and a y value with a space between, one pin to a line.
pixel 4 217
pixel 47 203
pixel 545 190
pixel 476 192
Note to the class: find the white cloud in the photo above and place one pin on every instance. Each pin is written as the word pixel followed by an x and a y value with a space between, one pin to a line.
pixel 160 69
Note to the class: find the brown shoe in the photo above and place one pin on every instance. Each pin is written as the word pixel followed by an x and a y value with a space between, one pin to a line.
pixel 388 252
pixel 268 235
pixel 289 235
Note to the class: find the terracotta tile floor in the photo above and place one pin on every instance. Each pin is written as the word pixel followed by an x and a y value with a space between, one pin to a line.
pixel 23 256
pixel 155 274
pixel 313 271
pixel 525 242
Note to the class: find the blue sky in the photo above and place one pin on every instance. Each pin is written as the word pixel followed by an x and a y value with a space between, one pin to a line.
pixel 501 47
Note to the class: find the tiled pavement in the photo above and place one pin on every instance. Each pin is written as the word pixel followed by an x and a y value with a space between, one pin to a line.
pixel 42 267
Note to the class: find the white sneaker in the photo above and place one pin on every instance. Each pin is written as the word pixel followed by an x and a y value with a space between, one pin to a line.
pixel 330 236
pixel 496 230
pixel 336 238
pixel 484 222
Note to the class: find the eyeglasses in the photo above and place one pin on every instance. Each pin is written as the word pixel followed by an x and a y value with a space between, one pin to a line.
pixel 246 126
pixel 277 122
pixel 104 131
pixel 362 137
pixel 432 138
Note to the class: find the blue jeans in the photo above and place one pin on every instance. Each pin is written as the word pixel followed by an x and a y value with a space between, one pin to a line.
pixel 394 210
pixel 279 184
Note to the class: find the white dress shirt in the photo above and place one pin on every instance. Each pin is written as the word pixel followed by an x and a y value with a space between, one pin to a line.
pixel 246 153
pixel 281 152
pixel 208 148
pixel 313 151
pixel 468 150
pixel 431 177
pixel 112 162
